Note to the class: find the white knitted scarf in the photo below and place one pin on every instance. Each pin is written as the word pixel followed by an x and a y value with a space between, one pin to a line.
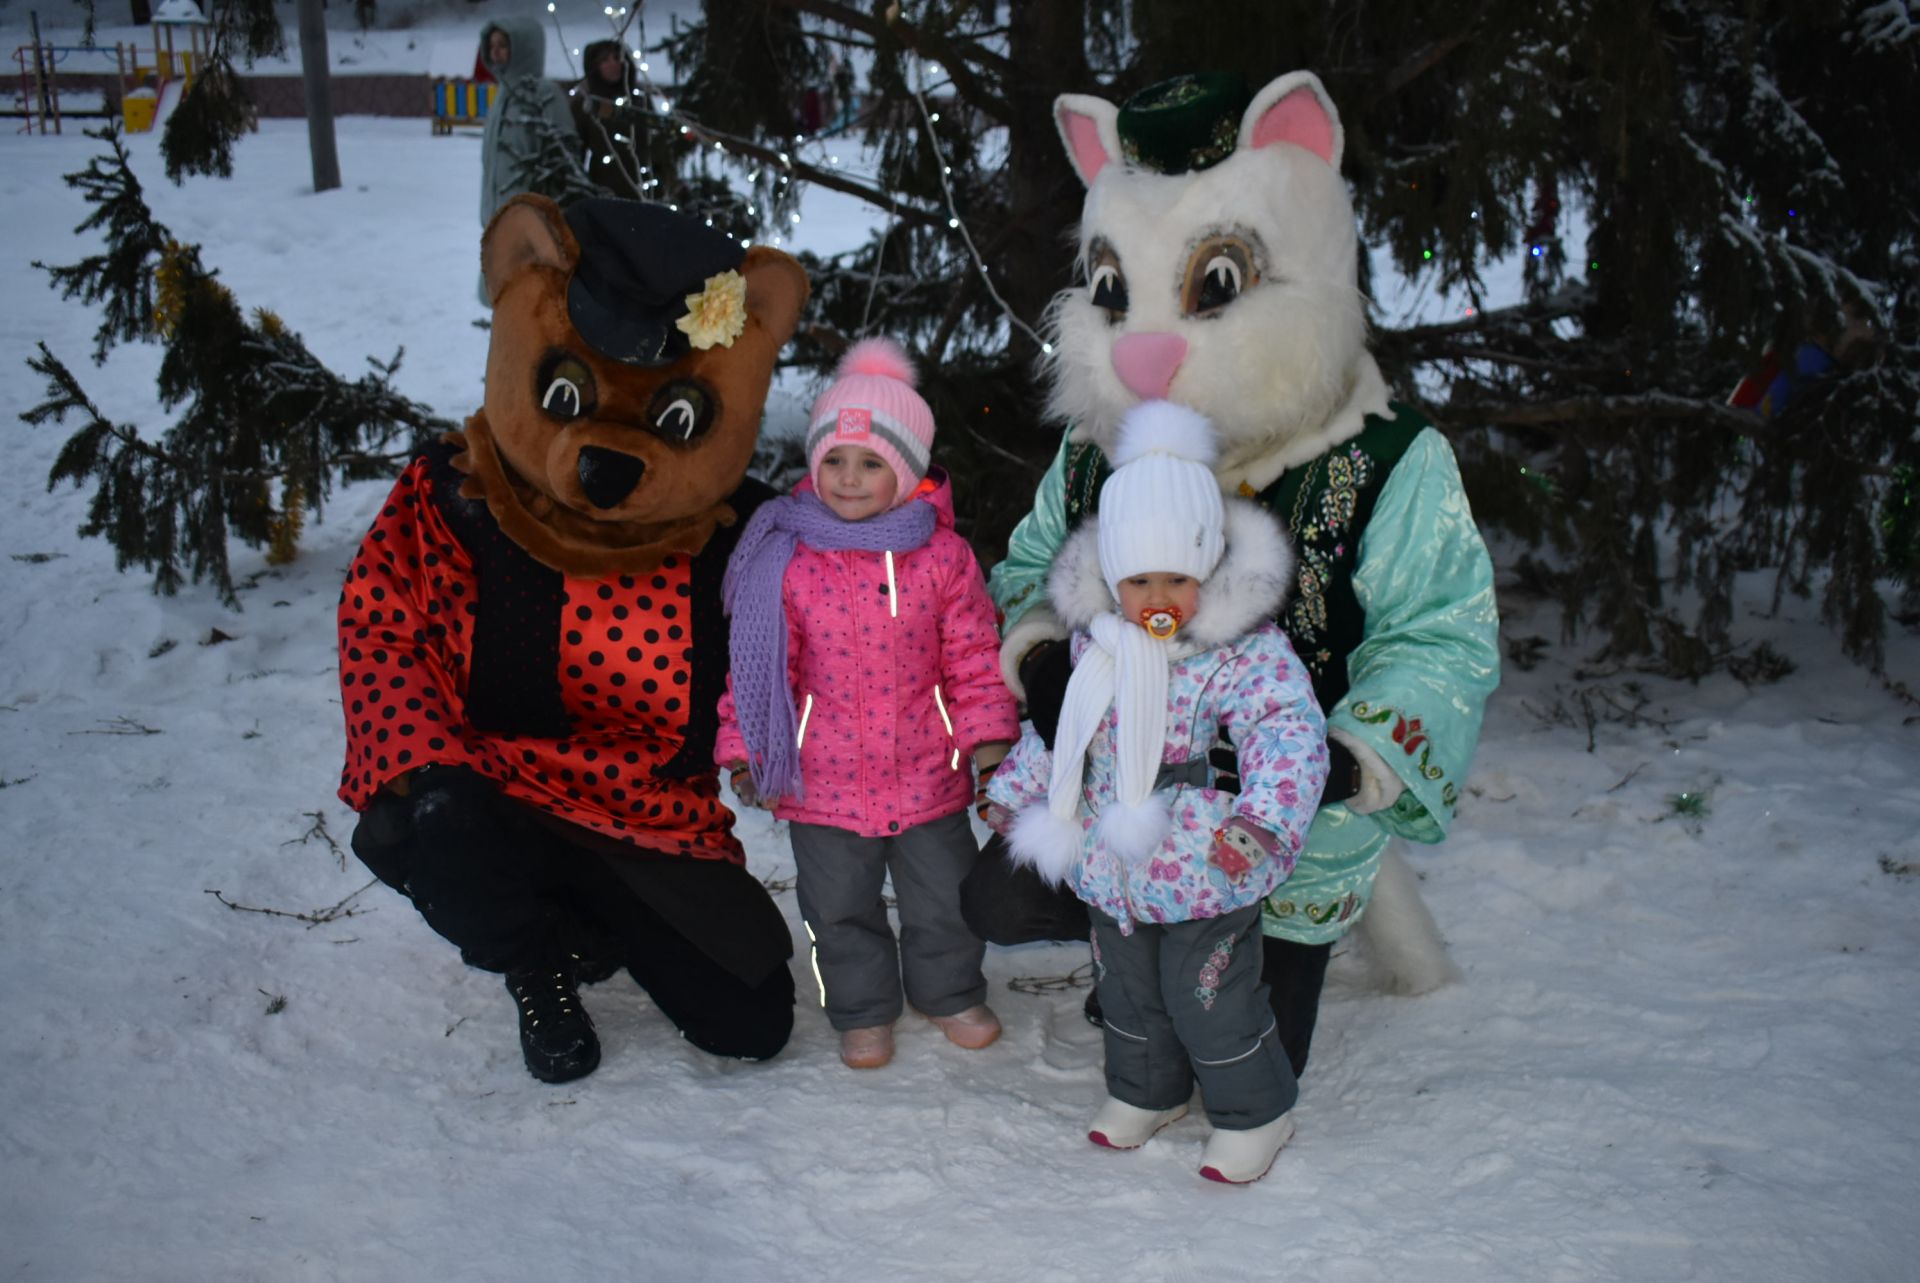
pixel 1125 669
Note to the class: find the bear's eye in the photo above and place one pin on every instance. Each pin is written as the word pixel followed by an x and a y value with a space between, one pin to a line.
pixel 566 387
pixel 562 399
pixel 1220 269
pixel 1106 283
pixel 681 411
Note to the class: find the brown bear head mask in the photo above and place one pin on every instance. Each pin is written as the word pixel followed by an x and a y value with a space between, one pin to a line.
pixel 631 352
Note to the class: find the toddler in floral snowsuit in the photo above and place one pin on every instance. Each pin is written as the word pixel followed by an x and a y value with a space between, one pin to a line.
pixel 1171 591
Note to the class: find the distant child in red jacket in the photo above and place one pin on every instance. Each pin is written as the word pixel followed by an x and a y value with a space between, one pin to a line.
pixel 865 688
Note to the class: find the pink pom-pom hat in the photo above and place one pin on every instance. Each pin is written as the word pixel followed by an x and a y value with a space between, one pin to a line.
pixel 872 403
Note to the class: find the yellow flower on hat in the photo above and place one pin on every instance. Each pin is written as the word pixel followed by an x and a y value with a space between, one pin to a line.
pixel 718 313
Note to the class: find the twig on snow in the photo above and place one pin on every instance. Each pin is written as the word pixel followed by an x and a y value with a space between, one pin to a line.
pixel 332 913
pixel 1079 978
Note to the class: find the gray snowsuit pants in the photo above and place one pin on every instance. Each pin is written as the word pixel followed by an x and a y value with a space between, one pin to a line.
pixel 1184 1000
pixel 858 963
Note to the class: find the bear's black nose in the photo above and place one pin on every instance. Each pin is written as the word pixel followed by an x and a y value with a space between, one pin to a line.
pixel 608 476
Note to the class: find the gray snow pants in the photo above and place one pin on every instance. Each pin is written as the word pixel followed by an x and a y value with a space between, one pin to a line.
pixel 858 963
pixel 1184 1000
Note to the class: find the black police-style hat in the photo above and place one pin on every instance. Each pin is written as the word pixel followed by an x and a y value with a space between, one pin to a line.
pixel 638 263
pixel 1189 122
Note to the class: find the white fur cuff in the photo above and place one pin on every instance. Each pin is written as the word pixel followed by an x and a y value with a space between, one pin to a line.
pixel 1048 844
pixel 1037 625
pixel 1379 786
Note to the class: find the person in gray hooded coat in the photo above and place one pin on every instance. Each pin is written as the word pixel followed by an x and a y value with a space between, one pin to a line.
pixel 528 112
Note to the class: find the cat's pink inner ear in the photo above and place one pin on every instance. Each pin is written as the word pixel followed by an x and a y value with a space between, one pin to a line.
pixel 1089 153
pixel 1300 119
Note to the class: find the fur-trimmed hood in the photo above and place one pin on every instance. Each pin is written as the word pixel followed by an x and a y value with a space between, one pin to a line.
pixel 1247 588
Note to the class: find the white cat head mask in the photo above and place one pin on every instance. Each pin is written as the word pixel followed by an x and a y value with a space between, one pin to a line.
pixel 1230 288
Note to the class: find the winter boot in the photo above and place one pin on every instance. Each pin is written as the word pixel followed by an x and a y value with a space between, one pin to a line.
pixel 1119 1125
pixel 595 952
pixel 867 1048
pixel 591 965
pixel 556 1035
pixel 1243 1157
pixel 1091 1010
pixel 974 1028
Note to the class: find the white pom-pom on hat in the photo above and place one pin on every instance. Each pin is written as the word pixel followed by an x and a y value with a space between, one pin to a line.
pixel 1165 427
pixel 1161 511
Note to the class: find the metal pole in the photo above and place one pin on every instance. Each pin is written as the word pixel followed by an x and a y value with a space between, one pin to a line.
pixel 313 69
pixel 40 76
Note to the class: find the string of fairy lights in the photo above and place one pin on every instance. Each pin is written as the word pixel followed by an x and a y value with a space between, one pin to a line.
pixel 661 105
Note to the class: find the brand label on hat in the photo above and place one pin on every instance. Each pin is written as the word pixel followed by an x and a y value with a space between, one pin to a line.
pixel 853 423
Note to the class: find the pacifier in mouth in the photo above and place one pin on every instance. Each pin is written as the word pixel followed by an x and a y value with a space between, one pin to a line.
pixel 1161 622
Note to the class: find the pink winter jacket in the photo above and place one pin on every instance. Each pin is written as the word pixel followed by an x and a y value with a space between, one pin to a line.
pixel 894 684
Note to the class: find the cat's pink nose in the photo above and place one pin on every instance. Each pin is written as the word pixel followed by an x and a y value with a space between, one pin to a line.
pixel 1146 363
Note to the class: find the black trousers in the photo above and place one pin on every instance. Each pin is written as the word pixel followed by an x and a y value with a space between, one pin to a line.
pixel 1007 904
pixel 513 893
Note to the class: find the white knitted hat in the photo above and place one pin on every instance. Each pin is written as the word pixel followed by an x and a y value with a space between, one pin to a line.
pixel 1161 510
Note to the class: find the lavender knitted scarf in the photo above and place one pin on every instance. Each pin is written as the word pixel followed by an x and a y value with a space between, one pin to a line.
pixel 751 592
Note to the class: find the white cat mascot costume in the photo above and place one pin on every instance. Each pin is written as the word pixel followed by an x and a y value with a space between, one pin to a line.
pixel 1218 252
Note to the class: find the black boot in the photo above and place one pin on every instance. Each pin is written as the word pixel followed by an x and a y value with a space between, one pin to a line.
pixel 1091 1010
pixel 594 951
pixel 592 967
pixel 556 1035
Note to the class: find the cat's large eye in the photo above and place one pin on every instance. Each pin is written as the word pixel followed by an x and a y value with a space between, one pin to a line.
pixel 565 386
pixel 1106 283
pixel 1220 269
pixel 681 411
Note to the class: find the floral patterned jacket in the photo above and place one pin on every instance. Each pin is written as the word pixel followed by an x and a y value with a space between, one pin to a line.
pixel 1233 672
pixel 1412 688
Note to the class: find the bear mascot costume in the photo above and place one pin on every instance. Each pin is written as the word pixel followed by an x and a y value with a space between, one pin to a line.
pixel 1219 257
pixel 532 645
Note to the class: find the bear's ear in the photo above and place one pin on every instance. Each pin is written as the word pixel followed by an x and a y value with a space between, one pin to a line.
pixel 1090 130
pixel 776 290
pixel 1294 109
pixel 527 231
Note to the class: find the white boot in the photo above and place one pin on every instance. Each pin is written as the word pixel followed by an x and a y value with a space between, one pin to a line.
pixel 1119 1125
pixel 1242 1157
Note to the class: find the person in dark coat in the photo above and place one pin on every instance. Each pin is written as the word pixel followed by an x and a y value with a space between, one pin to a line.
pixel 606 111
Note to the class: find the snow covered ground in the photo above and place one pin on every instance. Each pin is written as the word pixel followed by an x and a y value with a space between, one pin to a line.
pixel 430 37
pixel 1683 1049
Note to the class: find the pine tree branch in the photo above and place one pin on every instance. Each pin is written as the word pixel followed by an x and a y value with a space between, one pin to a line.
pixel 1638 406
pixel 801 169
pixel 121 279
pixel 1567 302
pixel 64 397
pixel 1641 407
pixel 958 57
pixel 1422 61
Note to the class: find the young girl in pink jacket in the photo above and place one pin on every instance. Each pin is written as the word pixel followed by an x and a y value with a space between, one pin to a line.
pixel 865 687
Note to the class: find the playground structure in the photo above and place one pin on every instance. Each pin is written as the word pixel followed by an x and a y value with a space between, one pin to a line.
pixel 461 102
pixel 126 88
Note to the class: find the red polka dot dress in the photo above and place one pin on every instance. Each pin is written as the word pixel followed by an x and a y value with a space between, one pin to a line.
pixel 595 678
